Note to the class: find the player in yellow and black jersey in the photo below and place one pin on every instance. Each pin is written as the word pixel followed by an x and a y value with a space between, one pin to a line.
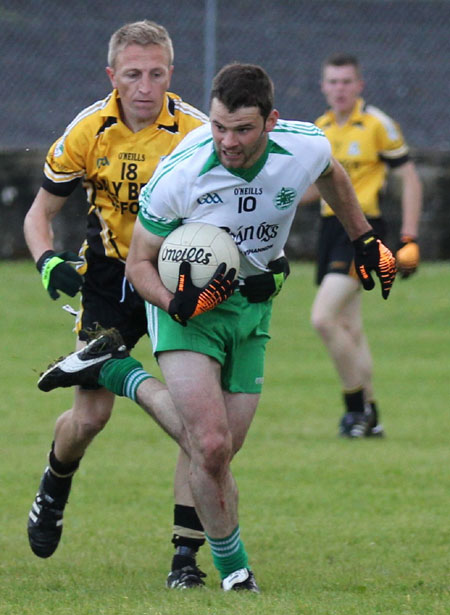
pixel 113 148
pixel 114 162
pixel 367 143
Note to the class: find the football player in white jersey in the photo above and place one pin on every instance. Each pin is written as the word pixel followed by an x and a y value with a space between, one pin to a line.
pixel 210 342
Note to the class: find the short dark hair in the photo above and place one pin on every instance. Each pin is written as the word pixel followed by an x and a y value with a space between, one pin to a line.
pixel 342 59
pixel 244 85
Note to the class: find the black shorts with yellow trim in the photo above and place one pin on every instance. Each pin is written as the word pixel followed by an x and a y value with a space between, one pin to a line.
pixel 108 300
pixel 335 250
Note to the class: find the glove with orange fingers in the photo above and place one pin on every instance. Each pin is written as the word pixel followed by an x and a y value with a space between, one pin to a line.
pixel 190 300
pixel 407 256
pixel 372 255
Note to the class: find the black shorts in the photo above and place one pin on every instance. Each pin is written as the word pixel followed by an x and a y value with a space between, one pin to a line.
pixel 335 252
pixel 108 300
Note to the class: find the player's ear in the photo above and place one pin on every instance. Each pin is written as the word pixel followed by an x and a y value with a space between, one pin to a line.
pixel 272 119
pixel 170 72
pixel 110 73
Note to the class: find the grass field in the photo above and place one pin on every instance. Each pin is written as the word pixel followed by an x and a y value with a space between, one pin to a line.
pixel 332 527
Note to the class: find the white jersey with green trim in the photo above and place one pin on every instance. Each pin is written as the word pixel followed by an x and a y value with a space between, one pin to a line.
pixel 256 205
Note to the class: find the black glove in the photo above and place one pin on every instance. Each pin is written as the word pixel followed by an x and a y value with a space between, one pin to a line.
pixel 407 256
pixel 372 255
pixel 57 275
pixel 265 286
pixel 190 300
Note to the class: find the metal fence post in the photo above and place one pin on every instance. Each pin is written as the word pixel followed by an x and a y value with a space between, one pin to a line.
pixel 210 49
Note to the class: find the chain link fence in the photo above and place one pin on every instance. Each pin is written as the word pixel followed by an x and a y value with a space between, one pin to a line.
pixel 53 58
pixel 54 53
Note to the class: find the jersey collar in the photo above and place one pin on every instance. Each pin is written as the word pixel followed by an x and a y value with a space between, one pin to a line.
pixel 111 109
pixel 246 174
pixel 165 119
pixel 355 117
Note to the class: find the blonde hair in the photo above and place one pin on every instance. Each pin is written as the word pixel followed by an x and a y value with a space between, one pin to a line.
pixel 139 33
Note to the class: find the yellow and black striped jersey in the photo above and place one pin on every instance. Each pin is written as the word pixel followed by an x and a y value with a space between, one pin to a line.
pixel 368 142
pixel 114 163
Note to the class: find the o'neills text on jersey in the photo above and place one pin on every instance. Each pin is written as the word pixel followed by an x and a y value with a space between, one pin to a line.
pixel 131 156
pixel 244 191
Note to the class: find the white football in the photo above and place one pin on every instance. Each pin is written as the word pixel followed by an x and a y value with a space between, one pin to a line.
pixel 205 246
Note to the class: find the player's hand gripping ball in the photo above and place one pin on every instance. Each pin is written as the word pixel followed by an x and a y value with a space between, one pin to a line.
pixel 203 246
pixel 199 263
pixel 190 301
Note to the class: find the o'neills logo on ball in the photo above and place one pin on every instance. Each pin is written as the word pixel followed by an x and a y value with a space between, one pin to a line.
pixel 191 255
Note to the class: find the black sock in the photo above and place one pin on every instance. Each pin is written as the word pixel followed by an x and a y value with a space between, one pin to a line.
pixel 57 488
pixel 184 556
pixel 188 536
pixel 58 480
pixel 354 401
pixel 374 409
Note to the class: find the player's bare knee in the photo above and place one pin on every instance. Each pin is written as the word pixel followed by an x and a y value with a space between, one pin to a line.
pixel 238 442
pixel 215 453
pixel 91 413
pixel 355 332
pixel 322 323
pixel 89 425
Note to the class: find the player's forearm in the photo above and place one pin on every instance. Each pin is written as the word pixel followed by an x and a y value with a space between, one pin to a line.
pixel 141 267
pixel 411 200
pixel 37 225
pixel 38 234
pixel 337 190
pixel 144 276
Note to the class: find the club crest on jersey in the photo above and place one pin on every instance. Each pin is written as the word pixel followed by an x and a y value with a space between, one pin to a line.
pixel 285 198
pixel 210 198
pixel 59 149
pixel 102 162
pixel 354 149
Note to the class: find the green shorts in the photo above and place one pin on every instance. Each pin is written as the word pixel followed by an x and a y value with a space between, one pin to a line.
pixel 235 333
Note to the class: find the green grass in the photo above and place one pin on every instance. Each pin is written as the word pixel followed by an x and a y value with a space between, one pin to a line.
pixel 332 527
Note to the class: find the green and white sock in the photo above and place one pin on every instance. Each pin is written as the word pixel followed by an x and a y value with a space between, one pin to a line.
pixel 123 376
pixel 228 553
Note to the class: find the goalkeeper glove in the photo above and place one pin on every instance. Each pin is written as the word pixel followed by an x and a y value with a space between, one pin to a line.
pixel 57 274
pixel 407 256
pixel 372 255
pixel 190 300
pixel 267 285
